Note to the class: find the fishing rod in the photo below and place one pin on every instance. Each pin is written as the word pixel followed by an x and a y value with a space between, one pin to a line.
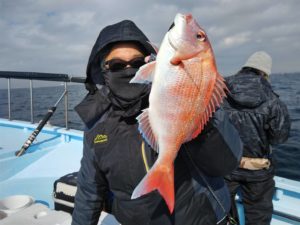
pixel 42 123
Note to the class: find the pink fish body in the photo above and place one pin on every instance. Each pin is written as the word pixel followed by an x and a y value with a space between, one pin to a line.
pixel 186 89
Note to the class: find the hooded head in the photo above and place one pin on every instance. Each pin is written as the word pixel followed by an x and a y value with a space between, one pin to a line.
pixel 250 88
pixel 261 61
pixel 124 31
pixel 119 42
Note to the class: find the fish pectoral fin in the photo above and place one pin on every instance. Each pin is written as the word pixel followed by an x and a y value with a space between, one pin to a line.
pixel 161 178
pixel 145 74
pixel 146 130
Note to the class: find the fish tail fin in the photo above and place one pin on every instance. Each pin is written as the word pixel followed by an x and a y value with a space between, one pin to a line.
pixel 161 178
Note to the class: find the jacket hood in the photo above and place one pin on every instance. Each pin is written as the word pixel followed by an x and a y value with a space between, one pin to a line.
pixel 248 89
pixel 123 31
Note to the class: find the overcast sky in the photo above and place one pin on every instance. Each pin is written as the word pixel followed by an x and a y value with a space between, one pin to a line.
pixel 57 35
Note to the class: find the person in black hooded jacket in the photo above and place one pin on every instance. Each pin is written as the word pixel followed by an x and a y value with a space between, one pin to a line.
pixel 262 119
pixel 116 158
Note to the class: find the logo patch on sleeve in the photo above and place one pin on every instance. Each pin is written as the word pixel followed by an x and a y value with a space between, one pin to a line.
pixel 100 138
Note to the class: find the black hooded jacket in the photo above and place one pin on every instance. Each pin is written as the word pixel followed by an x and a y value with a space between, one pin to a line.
pixel 114 161
pixel 258 114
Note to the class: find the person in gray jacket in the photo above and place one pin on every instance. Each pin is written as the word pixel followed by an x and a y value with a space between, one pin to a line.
pixel 262 120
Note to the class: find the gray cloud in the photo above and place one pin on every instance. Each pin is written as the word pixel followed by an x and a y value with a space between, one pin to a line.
pixel 57 36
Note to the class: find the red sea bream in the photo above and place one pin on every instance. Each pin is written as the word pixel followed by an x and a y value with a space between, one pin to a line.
pixel 186 90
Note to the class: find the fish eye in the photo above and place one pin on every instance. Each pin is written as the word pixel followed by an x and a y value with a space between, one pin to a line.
pixel 200 36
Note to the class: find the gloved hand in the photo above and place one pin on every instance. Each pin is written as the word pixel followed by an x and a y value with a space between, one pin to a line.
pixel 150 58
pixel 254 163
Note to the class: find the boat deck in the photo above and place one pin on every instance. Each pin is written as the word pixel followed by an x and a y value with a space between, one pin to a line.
pixel 53 144
pixel 57 152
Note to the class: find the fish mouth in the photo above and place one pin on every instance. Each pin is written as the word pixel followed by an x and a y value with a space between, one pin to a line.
pixel 179 19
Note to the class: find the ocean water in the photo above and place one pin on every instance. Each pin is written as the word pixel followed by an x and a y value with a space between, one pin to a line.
pixel 287 155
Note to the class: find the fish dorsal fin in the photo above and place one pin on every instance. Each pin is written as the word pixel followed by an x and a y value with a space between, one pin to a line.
pixel 145 74
pixel 218 93
pixel 146 130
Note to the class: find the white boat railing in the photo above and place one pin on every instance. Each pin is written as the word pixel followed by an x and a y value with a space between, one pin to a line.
pixel 42 77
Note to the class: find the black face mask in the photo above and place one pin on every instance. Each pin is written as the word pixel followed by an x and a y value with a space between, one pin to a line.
pixel 122 93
